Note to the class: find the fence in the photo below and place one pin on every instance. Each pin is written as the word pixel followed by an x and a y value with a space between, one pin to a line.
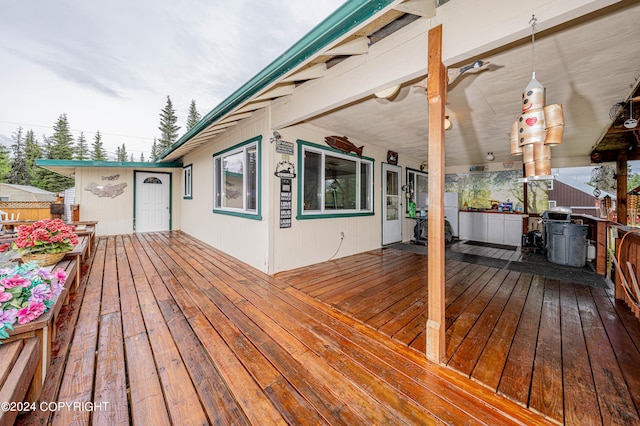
pixel 27 210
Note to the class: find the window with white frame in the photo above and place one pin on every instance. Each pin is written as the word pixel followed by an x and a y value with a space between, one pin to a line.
pixel 334 183
pixel 187 181
pixel 236 179
pixel 551 204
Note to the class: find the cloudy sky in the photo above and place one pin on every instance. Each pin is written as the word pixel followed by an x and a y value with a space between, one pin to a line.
pixel 110 65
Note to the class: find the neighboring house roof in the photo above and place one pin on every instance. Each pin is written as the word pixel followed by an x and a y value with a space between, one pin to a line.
pixel 580 186
pixel 30 193
pixel 68 167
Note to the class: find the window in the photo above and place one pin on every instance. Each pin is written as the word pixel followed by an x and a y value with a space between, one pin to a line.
pixel 549 185
pixel 333 183
pixel 186 182
pixel 235 180
pixel 417 188
pixel 551 204
pixel 153 180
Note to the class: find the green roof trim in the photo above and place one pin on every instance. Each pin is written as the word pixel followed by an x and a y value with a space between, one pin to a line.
pixel 351 14
pixel 83 163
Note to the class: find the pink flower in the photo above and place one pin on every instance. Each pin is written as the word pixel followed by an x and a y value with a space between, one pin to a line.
pixel 60 275
pixel 15 281
pixel 31 312
pixel 4 296
pixel 40 293
pixel 8 316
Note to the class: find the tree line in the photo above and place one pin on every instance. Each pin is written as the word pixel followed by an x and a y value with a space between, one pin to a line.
pixel 18 164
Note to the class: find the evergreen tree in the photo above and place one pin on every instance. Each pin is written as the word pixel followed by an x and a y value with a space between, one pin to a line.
pixel 62 148
pixel 98 152
pixel 121 153
pixel 194 116
pixel 32 152
pixel 131 157
pixel 168 128
pixel 58 147
pixel 82 149
pixel 154 150
pixel 5 164
pixel 19 173
pixel 142 157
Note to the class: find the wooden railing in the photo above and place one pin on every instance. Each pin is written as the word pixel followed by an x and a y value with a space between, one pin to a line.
pixel 26 210
pixel 626 261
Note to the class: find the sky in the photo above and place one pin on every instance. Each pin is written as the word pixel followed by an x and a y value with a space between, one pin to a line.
pixel 111 65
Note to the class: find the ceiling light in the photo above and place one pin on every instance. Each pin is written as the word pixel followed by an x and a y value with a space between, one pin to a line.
pixel 388 92
pixel 447 123
pixel 490 156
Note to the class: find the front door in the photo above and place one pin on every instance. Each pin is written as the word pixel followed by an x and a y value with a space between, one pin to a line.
pixel 152 211
pixel 392 208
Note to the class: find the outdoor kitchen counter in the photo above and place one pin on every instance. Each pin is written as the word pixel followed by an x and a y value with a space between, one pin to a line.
pixel 598 234
pixel 492 226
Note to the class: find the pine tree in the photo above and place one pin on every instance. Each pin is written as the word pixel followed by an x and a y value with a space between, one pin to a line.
pixel 62 148
pixel 142 157
pixel 98 153
pixel 32 152
pixel 154 150
pixel 58 147
pixel 121 153
pixel 5 164
pixel 194 116
pixel 131 157
pixel 19 173
pixel 168 128
pixel 82 149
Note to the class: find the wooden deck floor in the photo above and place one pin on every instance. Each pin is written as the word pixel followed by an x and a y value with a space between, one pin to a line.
pixel 566 350
pixel 166 330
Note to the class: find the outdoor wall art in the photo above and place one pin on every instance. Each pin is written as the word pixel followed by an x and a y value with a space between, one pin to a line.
pixel 107 190
pixel 112 177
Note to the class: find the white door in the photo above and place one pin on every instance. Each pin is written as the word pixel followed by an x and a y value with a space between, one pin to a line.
pixel 152 202
pixel 392 208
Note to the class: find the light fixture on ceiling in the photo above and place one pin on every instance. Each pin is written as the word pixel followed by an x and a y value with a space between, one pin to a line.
pixel 490 156
pixel 631 122
pixel 447 123
pixel 388 92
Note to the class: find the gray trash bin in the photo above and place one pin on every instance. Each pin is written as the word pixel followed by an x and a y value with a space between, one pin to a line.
pixel 566 243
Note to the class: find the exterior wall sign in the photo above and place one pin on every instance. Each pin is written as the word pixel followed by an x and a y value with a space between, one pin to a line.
pixel 112 177
pixel 285 203
pixel 285 169
pixel 284 147
pixel 107 190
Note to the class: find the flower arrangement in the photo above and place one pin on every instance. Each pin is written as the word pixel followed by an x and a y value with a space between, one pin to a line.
pixel 26 292
pixel 45 236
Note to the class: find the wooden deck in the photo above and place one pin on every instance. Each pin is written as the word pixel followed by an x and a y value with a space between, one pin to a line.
pixel 167 330
pixel 568 351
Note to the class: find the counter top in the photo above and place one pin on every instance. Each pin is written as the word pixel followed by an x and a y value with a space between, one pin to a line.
pixel 494 212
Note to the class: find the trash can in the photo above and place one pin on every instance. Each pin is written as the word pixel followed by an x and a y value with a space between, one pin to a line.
pixel 566 243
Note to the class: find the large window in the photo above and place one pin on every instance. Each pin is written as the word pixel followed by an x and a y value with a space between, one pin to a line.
pixel 333 183
pixel 186 181
pixel 236 179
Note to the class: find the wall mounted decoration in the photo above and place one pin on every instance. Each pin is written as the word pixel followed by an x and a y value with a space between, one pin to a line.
pixel 392 157
pixel 342 143
pixel 107 190
pixel 285 169
pixel 112 177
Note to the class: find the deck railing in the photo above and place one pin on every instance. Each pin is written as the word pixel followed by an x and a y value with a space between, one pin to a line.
pixel 626 260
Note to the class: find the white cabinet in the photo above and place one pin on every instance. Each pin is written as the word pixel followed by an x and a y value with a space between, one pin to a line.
pixel 513 230
pixel 491 227
pixel 495 228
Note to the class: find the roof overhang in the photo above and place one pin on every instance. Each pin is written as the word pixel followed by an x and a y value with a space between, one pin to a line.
pixel 68 167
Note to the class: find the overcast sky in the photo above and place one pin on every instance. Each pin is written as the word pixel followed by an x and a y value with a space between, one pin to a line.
pixel 110 65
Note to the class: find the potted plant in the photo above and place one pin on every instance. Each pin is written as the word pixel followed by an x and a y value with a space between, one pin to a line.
pixel 45 241
pixel 26 292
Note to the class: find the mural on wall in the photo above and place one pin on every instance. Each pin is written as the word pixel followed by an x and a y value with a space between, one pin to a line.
pixel 480 190
pixel 107 190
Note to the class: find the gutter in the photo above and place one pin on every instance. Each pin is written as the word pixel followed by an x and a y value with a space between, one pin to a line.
pixel 351 14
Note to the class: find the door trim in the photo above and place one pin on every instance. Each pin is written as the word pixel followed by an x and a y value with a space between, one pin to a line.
pixel 135 195
pixel 384 167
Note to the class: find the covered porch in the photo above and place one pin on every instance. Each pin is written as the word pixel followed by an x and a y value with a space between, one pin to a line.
pixel 167 329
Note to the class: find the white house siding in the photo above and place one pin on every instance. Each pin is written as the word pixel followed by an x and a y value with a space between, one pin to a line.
pixel 243 238
pixel 311 241
pixel 115 215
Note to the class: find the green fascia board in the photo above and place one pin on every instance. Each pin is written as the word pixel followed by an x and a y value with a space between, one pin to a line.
pixel 82 163
pixel 351 14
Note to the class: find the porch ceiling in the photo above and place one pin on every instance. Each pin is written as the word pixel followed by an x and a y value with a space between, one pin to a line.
pixel 587 66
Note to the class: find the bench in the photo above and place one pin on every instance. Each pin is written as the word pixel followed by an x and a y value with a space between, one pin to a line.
pixel 17 375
